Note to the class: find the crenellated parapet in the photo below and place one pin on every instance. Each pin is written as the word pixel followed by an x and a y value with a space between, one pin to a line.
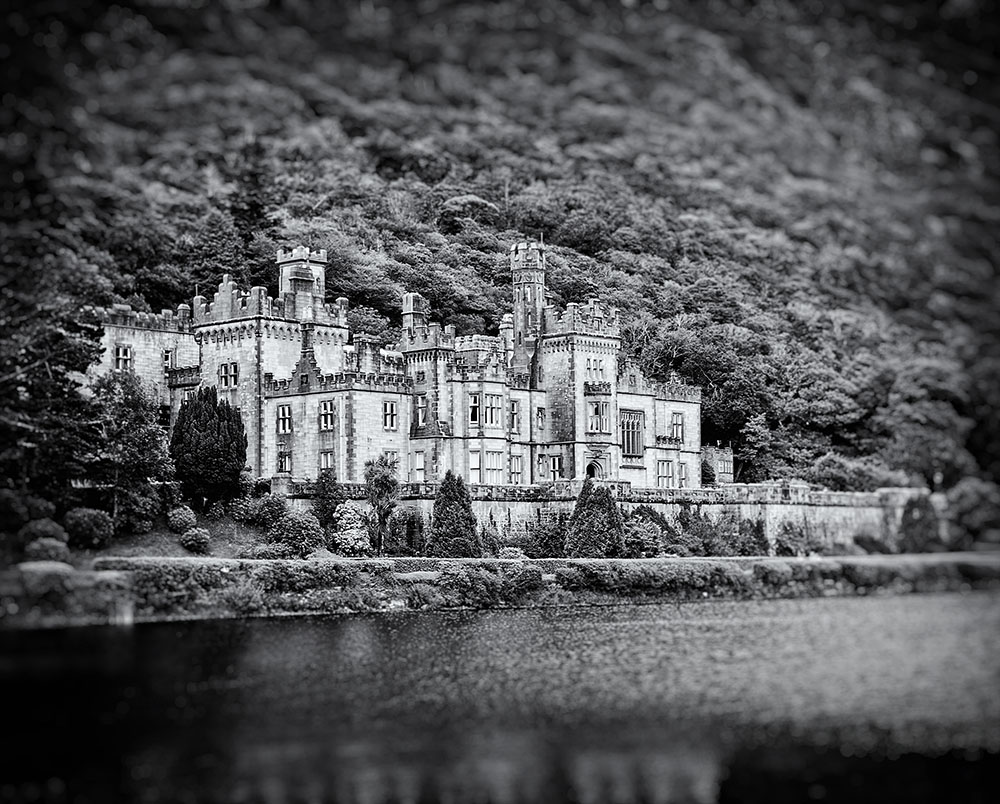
pixel 337 381
pixel 429 336
pixel 632 380
pixel 122 315
pixel 184 377
pixel 591 318
pixel 478 343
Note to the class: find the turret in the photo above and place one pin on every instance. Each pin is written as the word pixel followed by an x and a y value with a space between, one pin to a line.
pixel 302 281
pixel 527 265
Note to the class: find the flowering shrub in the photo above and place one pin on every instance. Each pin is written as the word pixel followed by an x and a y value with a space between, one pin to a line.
pixel 181 519
pixel 301 531
pixel 46 549
pixel 350 536
pixel 195 540
pixel 88 527
pixel 242 509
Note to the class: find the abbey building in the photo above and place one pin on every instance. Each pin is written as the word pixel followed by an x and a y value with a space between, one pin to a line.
pixel 551 398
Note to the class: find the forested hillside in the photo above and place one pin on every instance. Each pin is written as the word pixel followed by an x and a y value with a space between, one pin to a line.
pixel 794 204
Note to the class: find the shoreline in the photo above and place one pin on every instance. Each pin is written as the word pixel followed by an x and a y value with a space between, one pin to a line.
pixel 126 591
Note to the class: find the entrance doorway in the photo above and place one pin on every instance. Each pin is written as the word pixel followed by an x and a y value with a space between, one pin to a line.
pixel 594 470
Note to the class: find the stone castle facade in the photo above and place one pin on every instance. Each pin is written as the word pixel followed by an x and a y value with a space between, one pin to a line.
pixel 551 398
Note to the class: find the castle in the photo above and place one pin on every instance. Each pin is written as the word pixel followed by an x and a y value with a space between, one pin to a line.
pixel 551 398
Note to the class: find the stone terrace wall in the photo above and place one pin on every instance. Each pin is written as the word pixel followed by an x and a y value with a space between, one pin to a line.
pixel 836 517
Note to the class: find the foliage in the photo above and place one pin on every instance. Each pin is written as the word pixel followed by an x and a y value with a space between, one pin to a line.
pixel 271 550
pixel 707 474
pixel 181 519
pixel 349 536
pixel 137 508
pixel 195 540
pixel 46 549
pixel 920 527
pixel 215 511
pixel 327 497
pixel 488 540
pixel 974 510
pixel 794 269
pixel 547 536
pixel 133 447
pixel 407 535
pixel 268 510
pixel 453 527
pixel 88 527
pixel 508 553
pixel 209 446
pixel 595 527
pixel 842 473
pixel 641 540
pixel 299 530
pixel 242 509
pixel 13 511
pixel 244 598
pixel 796 540
pixel 382 493
pixel 41 529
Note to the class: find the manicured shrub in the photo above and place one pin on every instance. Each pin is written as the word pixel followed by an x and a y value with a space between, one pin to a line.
pixel 41 529
pixel 974 511
pixel 215 511
pixel 299 530
pixel 46 549
pixel 642 540
pixel 519 580
pixel 453 532
pixel 595 528
pixel 406 536
pixel 511 552
pixel 195 540
pixel 267 510
pixel 350 536
pixel 39 508
pixel 181 519
pixel 88 527
pixel 473 586
pixel 270 551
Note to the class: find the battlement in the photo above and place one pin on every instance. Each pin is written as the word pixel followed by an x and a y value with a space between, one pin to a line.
pixel 122 315
pixel 430 336
pixel 632 380
pixel 591 318
pixel 301 253
pixel 338 381
pixel 477 343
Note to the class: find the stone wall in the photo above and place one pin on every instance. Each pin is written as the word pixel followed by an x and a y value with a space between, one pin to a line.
pixel 834 517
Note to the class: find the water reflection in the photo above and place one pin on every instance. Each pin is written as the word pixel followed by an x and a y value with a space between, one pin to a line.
pixel 782 700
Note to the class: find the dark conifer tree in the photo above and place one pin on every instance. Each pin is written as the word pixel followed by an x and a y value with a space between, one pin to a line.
pixel 595 528
pixel 453 532
pixel 209 446
pixel 328 496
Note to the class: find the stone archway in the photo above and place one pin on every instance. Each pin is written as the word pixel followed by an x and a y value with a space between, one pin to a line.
pixel 594 471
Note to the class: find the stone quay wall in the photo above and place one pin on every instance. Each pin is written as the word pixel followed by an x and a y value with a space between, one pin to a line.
pixel 833 517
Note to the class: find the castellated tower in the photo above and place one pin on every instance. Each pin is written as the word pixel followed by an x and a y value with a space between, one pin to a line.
pixel 302 280
pixel 527 265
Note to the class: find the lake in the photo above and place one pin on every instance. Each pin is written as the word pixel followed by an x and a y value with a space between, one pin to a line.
pixel 835 699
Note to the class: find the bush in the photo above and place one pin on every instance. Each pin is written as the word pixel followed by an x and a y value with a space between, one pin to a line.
pixel 472 586
pixel 642 540
pixel 595 528
pixel 796 540
pixel 267 510
pixel 489 540
pixel 299 530
pixel 244 598
pixel 547 537
pixel 327 498
pixel 41 529
pixel 216 511
pixel 511 552
pixel 406 536
pixel 919 528
pixel 46 549
pixel 453 532
pixel 39 508
pixel 519 580
pixel 269 551
pixel 88 527
pixel 181 519
pixel 349 537
pixel 241 509
pixel 137 508
pixel 195 540
pixel 13 511
pixel 750 539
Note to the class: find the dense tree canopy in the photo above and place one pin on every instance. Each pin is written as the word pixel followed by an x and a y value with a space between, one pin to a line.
pixel 794 205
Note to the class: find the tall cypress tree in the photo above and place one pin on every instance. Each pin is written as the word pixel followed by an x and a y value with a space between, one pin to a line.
pixel 453 532
pixel 209 446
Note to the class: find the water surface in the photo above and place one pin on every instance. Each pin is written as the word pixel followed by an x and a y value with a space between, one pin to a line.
pixel 830 699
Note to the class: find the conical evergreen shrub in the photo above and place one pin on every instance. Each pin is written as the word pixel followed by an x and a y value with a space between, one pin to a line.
pixel 453 532
pixel 209 446
pixel 595 528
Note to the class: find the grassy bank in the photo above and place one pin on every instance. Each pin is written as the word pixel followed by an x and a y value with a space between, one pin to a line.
pixel 125 589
